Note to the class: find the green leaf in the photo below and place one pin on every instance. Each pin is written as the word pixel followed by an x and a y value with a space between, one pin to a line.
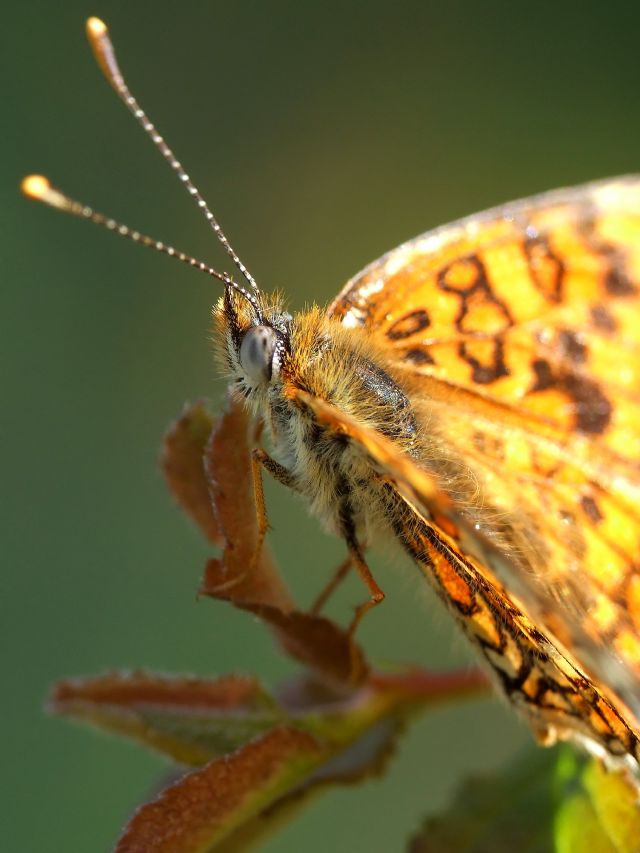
pixel 549 800
pixel 602 815
pixel 497 814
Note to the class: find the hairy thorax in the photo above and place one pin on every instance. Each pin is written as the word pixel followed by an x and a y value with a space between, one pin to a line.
pixel 338 480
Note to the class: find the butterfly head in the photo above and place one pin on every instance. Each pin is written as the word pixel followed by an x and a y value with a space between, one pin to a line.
pixel 254 339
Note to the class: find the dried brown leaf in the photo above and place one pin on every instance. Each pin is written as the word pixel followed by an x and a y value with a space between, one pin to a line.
pixel 242 572
pixel 132 689
pixel 182 462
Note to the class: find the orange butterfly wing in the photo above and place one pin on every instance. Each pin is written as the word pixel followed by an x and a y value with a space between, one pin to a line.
pixel 538 676
pixel 521 326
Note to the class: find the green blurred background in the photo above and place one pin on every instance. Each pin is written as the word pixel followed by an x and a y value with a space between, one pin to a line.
pixel 322 135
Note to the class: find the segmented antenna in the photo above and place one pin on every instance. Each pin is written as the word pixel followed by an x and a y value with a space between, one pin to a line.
pixel 104 53
pixel 38 188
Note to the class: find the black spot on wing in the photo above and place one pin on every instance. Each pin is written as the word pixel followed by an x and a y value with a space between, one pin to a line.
pixel 571 347
pixel 543 376
pixel 409 325
pixel 603 319
pixel 617 283
pixel 546 267
pixel 591 408
pixel 419 356
pixel 484 373
pixel 591 508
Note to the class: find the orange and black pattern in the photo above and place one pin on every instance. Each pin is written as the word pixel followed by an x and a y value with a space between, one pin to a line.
pixel 521 326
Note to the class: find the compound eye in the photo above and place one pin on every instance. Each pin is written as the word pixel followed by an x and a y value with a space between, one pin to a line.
pixel 256 353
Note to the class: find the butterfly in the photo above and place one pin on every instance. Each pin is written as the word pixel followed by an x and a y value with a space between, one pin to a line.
pixel 473 395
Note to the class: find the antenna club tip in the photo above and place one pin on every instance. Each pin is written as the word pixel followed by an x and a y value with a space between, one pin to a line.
pixel 35 186
pixel 96 28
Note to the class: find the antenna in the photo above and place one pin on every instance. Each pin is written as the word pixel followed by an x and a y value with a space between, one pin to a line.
pixel 38 188
pixel 104 53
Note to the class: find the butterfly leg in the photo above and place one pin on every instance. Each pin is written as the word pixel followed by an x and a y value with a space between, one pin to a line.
pixel 357 560
pixel 260 459
pixel 339 575
pixel 278 472
pixel 377 595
